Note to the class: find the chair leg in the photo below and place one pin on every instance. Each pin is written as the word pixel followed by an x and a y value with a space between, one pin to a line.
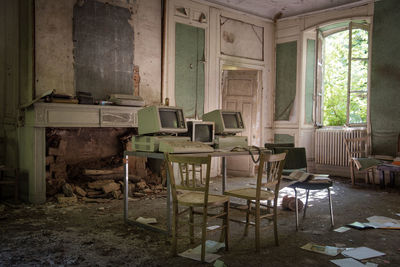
pixel 297 209
pixel 257 226
pixel 226 223
pixel 352 173
pixel 191 225
pixel 174 230
pixel 276 221
pixel 330 207
pixel 305 206
pixel 203 235
pixel 246 228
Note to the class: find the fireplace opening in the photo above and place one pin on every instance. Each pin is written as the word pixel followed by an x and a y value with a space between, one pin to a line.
pixel 87 164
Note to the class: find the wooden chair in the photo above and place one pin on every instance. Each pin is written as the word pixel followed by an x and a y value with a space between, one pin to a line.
pixel 357 152
pixel 255 195
pixel 197 199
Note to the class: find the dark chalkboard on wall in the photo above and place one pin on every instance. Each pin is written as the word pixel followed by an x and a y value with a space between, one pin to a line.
pixel 103 49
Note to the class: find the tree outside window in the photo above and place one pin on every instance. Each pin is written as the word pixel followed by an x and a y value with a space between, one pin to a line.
pixel 344 86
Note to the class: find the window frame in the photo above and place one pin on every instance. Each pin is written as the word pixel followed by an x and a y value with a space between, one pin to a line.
pixel 320 66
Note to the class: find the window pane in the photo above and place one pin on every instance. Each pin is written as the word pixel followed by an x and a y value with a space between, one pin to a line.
pixel 358 108
pixel 359 75
pixel 359 43
pixel 335 79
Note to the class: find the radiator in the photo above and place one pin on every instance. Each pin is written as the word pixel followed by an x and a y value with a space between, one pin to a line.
pixel 330 147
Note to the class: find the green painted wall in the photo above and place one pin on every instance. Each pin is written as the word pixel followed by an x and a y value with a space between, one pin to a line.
pixel 385 77
pixel 309 92
pixel 189 69
pixel 286 72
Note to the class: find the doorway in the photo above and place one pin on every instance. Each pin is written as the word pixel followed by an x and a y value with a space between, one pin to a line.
pixel 241 92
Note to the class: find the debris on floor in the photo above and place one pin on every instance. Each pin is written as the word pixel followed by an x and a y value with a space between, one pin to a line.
pixel 362 253
pixel 327 250
pixel 211 248
pixel 219 263
pixel 350 262
pixel 146 220
pixel 289 203
pixel 342 229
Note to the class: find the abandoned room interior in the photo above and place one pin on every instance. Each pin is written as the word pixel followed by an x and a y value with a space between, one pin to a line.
pixel 199 132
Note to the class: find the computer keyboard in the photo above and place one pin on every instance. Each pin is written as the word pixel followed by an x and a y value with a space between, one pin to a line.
pixel 184 147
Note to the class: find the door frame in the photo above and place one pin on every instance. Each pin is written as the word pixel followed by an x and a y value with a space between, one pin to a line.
pixel 260 90
pixel 261 93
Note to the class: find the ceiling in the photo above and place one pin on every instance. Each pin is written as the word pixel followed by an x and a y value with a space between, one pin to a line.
pixel 271 8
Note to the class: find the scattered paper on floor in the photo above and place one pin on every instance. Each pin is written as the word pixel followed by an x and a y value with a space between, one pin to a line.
pixel 219 263
pixel 209 257
pixel 211 248
pixel 384 222
pixel 146 220
pixel 327 250
pixel 362 253
pixel 342 229
pixel 348 262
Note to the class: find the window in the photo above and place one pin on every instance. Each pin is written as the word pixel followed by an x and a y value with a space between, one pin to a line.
pixel 342 75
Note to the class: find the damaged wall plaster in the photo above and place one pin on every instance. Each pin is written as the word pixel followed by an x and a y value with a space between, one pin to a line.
pixel 241 39
pixel 54 45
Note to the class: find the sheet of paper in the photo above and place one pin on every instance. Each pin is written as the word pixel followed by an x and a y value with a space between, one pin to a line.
pixel 347 262
pixel 342 229
pixel 209 257
pixel 384 222
pixel 146 220
pixel 327 250
pixel 362 253
pixel 370 264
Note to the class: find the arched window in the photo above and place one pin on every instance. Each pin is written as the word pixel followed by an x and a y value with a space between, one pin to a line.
pixel 341 74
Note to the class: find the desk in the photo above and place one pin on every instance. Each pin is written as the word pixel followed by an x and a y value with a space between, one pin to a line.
pixel 391 168
pixel 157 155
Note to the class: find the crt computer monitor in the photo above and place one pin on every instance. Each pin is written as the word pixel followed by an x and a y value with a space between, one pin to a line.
pixel 201 131
pixel 226 122
pixel 161 119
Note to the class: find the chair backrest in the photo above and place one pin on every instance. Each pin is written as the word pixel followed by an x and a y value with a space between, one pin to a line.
pixel 273 145
pixel 185 181
pixel 275 163
pixel 295 158
pixel 356 147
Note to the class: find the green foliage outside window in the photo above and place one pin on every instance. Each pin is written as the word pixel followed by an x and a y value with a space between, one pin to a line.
pixel 335 81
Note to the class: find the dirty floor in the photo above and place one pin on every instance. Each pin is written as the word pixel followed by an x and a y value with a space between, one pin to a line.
pixel 94 234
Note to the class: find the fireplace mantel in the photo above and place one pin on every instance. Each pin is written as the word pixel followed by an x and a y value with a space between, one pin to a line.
pixel 72 115
pixel 32 136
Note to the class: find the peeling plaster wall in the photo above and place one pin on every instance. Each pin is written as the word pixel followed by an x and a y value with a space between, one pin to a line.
pixel 54 45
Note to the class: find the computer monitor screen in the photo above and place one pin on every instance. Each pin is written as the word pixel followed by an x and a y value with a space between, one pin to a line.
pixel 203 133
pixel 161 120
pixel 226 122
pixel 230 120
pixel 168 118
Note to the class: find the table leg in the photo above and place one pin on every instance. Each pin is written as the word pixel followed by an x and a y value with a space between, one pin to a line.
pixel 223 174
pixel 392 174
pixel 126 188
pixel 382 178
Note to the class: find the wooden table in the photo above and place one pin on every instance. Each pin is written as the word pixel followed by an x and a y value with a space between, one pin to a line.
pixel 391 168
pixel 159 155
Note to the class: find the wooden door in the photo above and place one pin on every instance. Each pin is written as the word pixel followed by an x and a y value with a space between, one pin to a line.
pixel 240 90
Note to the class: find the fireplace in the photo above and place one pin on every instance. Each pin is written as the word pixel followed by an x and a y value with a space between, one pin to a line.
pixel 68 117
